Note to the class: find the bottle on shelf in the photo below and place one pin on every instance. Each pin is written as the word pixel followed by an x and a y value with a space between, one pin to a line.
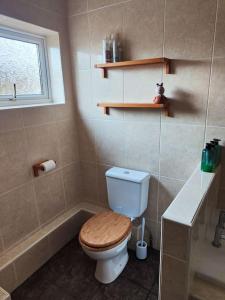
pixel 106 50
pixel 217 151
pixel 120 51
pixel 214 156
pixel 207 158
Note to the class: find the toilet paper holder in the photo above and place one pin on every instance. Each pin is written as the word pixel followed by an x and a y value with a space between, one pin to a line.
pixel 39 167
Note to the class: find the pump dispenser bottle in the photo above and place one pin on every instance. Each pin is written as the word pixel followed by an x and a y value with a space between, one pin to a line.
pixel 217 151
pixel 207 159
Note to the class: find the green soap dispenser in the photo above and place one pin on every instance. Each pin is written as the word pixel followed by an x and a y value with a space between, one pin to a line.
pixel 207 159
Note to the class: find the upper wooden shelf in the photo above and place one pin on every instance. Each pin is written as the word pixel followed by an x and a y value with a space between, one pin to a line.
pixel 132 63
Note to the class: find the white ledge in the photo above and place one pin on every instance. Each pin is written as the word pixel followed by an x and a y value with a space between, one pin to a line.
pixel 187 202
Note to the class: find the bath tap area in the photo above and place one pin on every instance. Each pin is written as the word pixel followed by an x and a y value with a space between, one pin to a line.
pixel 112 149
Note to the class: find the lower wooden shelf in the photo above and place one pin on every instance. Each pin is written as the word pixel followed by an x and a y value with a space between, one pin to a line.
pixel 107 105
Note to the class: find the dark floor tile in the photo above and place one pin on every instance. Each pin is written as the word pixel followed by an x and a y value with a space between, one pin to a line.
pixel 31 289
pixel 121 289
pixel 78 285
pixel 140 271
pixel 54 293
pixel 155 288
pixel 152 297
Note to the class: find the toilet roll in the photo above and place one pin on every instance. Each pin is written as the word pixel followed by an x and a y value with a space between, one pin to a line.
pixel 48 165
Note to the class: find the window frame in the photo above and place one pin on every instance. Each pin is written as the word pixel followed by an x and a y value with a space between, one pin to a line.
pixel 30 99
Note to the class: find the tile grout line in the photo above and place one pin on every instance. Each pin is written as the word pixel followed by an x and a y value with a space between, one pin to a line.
pixel 99 8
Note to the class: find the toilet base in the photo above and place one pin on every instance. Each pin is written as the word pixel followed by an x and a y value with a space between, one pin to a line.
pixel 108 270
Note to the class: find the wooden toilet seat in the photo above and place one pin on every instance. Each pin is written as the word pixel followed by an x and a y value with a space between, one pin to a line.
pixel 104 231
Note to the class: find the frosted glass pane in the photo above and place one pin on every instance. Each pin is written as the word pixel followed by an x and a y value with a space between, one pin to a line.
pixel 19 63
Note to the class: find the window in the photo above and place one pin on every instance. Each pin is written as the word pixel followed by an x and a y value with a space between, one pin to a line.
pixel 24 73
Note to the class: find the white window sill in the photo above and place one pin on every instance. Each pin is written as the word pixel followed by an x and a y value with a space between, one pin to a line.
pixel 16 104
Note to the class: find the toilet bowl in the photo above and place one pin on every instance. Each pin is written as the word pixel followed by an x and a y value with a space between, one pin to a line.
pixel 104 237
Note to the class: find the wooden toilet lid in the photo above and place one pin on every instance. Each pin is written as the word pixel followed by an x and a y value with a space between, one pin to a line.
pixel 105 229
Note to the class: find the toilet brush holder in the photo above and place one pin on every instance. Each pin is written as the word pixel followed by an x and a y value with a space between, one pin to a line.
pixel 141 250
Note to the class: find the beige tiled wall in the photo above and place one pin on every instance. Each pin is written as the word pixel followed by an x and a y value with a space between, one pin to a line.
pixel 30 135
pixel 191 32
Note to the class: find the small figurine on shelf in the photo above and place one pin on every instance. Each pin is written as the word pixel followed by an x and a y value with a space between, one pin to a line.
pixel 160 98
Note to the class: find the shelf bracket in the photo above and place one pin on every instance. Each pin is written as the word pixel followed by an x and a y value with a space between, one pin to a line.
pixel 166 67
pixel 106 110
pixel 104 73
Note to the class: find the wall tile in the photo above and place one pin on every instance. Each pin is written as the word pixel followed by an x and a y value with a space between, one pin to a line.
pixel 65 111
pixel 61 236
pixel 89 182
pixel 72 184
pixel 146 39
pixel 94 4
pixel 101 185
pixel 22 10
pixel 49 196
pixel 38 115
pixel 109 138
pixel 32 260
pixel 180 150
pixel 154 230
pixel 86 132
pixel 66 232
pixel 151 211
pixel 189 29
pixel 18 215
pixel 142 146
pixel 219 49
pixel 216 108
pixel 221 199
pixel 11 119
pixel 110 89
pixel 176 240
pixel 77 6
pixel 43 143
pixel 187 90
pixel 57 6
pixel 79 41
pixel 168 189
pixel 8 279
pixel 14 164
pixel 1 243
pixel 174 277
pixel 67 138
pixel 83 94
pixel 102 23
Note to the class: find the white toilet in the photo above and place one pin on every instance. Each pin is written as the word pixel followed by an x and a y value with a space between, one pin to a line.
pixel 104 237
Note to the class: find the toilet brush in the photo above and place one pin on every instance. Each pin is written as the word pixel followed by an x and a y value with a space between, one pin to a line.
pixel 142 231
pixel 141 246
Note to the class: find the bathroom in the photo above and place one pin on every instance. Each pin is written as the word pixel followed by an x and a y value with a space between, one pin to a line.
pixel 77 119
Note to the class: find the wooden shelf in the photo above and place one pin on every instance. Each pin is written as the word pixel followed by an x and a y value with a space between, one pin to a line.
pixel 132 63
pixel 107 105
